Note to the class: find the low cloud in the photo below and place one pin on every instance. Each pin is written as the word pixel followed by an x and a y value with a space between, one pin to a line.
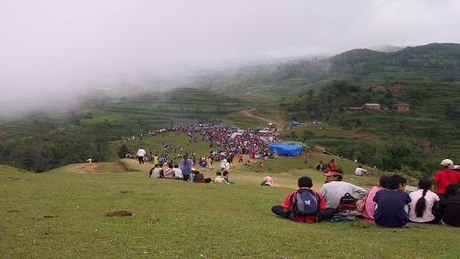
pixel 53 52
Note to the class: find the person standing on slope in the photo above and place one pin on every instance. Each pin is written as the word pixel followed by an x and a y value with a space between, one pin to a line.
pixel 140 155
pixel 186 165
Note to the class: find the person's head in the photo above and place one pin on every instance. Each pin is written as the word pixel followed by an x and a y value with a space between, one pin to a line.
pixel 176 166
pixel 334 175
pixel 360 166
pixel 218 173
pixel 425 184
pixel 225 173
pixel 397 182
pixel 332 160
pixel 305 182
pixel 170 165
pixel 452 189
pixel 384 181
pixel 446 163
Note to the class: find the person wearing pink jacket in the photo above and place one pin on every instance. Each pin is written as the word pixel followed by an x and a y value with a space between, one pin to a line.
pixel 369 204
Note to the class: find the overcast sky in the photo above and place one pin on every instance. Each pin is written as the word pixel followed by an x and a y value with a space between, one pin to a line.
pixel 53 50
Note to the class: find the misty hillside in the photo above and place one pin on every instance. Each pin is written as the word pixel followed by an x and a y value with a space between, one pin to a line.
pixel 433 62
pixel 436 62
pixel 425 78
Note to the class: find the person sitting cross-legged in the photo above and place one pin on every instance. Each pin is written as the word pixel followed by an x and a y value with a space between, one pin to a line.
pixel 392 204
pixel 303 205
pixel 424 203
pixel 450 206
pixel 333 191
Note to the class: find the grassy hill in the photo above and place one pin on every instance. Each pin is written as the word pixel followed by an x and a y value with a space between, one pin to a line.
pixel 63 214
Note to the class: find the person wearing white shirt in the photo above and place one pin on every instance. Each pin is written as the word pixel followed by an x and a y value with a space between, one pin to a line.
pixel 334 189
pixel 140 155
pixel 360 171
pixel 423 201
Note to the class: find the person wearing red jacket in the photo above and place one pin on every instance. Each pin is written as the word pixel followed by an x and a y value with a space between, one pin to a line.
pixel 445 177
pixel 286 209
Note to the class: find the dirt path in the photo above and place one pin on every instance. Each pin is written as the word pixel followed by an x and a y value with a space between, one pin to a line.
pixel 250 113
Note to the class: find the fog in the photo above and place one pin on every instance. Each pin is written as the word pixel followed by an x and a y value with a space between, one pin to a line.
pixel 54 52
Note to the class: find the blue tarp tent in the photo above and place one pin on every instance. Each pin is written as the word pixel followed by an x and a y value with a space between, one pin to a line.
pixel 293 123
pixel 285 149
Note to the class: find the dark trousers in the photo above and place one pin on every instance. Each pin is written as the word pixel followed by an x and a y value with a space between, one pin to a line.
pixel 140 159
pixel 278 210
pixel 327 213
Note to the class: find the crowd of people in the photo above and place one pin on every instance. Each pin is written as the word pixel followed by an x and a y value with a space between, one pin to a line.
pixel 387 204
pixel 185 170
pixel 224 143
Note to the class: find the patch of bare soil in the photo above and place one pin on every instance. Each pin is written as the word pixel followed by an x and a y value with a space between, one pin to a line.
pixel 119 213
pixel 121 166
pixel 50 216
pixel 91 168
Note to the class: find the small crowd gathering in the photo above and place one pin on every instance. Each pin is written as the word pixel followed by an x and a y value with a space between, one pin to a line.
pixel 388 203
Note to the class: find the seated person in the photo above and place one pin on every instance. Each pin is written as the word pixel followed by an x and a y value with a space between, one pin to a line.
pixel 224 165
pixel 450 206
pixel 219 178
pixel 199 178
pixel 267 181
pixel 392 204
pixel 260 165
pixel 334 189
pixel 178 172
pixel 169 172
pixel 208 162
pixel 445 177
pixel 360 171
pixel 320 166
pixel 156 172
pixel 290 209
pixel 225 176
pixel 369 204
pixel 248 163
pixel 332 165
pixel 423 202
pixel 202 162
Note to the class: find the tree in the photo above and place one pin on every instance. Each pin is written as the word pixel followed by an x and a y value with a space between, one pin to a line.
pixel 306 134
pixel 122 151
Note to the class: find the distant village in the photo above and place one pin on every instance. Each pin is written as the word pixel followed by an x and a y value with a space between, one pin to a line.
pixel 398 107
pixel 376 107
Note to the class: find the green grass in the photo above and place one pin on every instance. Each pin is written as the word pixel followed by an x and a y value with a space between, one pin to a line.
pixel 62 214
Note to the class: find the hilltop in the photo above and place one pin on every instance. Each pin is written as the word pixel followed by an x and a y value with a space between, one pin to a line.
pixel 64 213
